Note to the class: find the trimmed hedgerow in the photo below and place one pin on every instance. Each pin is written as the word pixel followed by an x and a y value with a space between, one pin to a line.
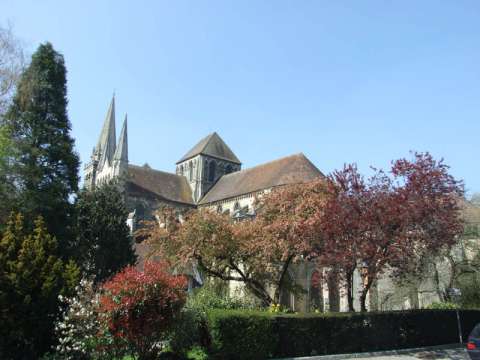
pixel 237 334
pixel 260 335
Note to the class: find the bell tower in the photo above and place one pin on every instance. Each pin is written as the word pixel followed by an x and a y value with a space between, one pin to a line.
pixel 205 163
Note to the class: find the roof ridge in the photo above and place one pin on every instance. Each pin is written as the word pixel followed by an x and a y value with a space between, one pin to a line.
pixel 294 168
pixel 211 145
pixel 153 170
pixel 300 154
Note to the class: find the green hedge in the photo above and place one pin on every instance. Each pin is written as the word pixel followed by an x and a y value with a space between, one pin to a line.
pixel 239 334
pixel 259 335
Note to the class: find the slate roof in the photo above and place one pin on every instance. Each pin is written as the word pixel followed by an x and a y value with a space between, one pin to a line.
pixel 168 186
pixel 288 170
pixel 214 146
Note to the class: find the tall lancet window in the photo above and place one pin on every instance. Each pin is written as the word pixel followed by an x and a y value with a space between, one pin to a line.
pixel 190 171
pixel 211 171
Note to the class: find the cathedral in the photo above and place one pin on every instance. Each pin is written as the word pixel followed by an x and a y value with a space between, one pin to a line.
pixel 208 175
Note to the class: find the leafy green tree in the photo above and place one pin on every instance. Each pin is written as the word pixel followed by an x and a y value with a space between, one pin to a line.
pixel 11 65
pixel 43 165
pixel 104 244
pixel 7 189
pixel 32 276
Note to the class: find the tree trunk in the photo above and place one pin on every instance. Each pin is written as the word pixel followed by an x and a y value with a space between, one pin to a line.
pixel 255 287
pixel 281 280
pixel 436 279
pixel 262 294
pixel 349 277
pixel 333 295
pixel 363 300
pixel 363 294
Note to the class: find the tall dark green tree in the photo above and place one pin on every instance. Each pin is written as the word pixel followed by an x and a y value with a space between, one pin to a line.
pixel 104 244
pixel 32 276
pixel 44 165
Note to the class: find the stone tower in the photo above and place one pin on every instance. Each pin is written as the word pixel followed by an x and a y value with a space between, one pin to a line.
pixel 107 160
pixel 205 163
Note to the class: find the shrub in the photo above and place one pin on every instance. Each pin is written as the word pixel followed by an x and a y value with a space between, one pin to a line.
pixel 190 329
pixel 139 308
pixel 260 335
pixel 209 297
pixel 187 331
pixel 32 275
pixel 469 284
pixel 77 329
pixel 442 306
pixel 197 353
pixel 239 334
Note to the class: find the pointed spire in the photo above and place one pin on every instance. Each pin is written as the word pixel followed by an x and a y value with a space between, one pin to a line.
pixel 121 153
pixel 106 143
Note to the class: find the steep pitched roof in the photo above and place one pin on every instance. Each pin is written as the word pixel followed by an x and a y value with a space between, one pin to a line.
pixel 214 146
pixel 121 153
pixel 168 186
pixel 106 142
pixel 288 170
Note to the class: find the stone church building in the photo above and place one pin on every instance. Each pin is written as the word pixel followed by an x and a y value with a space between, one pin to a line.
pixel 210 175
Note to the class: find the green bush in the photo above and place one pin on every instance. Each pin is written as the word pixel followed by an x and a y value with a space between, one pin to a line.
pixel 260 335
pixel 443 306
pixel 239 334
pixel 187 331
pixel 208 297
pixel 191 330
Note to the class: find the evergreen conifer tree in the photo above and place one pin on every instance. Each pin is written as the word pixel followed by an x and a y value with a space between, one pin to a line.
pixel 43 166
pixel 104 244
pixel 32 276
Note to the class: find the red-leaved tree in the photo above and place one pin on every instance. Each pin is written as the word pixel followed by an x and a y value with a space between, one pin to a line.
pixel 342 225
pixel 258 252
pixel 139 307
pixel 285 230
pixel 390 220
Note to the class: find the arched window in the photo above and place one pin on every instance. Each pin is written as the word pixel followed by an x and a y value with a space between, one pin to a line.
pixel 181 169
pixel 219 209
pixel 211 171
pixel 236 206
pixel 228 169
pixel 190 173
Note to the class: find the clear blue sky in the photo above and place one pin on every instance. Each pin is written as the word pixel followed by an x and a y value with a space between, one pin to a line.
pixel 341 81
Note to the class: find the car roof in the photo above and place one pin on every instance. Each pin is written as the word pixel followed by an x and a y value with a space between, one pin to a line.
pixel 476 331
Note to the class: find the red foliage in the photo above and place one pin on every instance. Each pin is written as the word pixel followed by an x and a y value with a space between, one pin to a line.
pixel 140 306
pixel 389 221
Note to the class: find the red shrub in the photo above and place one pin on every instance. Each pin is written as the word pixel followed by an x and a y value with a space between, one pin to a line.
pixel 139 307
